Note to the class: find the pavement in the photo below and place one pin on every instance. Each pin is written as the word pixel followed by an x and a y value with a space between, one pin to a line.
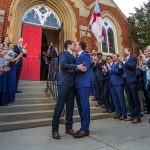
pixel 106 134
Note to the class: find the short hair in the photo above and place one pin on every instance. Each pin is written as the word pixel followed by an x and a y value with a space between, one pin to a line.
pixel 10 43
pixel 109 56
pixel 128 49
pixel 66 43
pixel 83 45
pixel 100 54
pixel 116 54
pixel 4 38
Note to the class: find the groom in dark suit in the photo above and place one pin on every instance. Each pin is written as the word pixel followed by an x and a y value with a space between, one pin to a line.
pixel 66 89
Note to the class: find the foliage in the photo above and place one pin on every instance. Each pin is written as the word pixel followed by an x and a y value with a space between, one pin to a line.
pixel 140 25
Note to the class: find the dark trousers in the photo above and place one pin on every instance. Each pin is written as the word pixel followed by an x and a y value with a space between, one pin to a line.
pixel 44 71
pixel 146 92
pixel 133 100
pixel 18 73
pixel 107 96
pixel 65 96
pixel 147 99
pixel 117 93
pixel 100 91
pixel 82 98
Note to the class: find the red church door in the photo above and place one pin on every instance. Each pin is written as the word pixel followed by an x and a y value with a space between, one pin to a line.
pixel 32 35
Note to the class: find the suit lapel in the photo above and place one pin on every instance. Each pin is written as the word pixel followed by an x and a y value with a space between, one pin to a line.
pixel 71 56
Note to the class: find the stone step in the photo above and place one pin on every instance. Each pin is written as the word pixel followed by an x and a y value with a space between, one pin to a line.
pixel 33 107
pixel 22 101
pixel 18 116
pixel 27 107
pixel 32 84
pixel 24 124
pixel 33 95
pixel 32 89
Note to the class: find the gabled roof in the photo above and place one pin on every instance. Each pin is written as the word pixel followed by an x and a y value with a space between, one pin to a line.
pixel 90 3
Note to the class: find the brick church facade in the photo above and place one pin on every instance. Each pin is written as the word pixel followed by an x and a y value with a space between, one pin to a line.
pixel 58 20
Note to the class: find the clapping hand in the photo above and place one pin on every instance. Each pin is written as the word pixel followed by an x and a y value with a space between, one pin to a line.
pixel 120 60
pixel 1 70
pixel 24 46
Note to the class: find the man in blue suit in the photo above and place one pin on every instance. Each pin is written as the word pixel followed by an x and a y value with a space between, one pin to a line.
pixel 82 85
pixel 66 89
pixel 117 91
pixel 130 63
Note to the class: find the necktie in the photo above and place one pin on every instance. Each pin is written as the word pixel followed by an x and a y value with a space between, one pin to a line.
pixel 77 55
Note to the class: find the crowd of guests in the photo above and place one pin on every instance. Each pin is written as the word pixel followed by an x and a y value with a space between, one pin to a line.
pixel 10 69
pixel 122 84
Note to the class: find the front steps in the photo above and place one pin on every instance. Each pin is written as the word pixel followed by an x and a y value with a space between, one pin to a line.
pixel 34 108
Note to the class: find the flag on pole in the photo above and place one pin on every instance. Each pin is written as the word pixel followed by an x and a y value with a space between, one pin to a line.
pixel 96 23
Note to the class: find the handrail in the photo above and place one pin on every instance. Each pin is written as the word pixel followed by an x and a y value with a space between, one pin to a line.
pixel 52 78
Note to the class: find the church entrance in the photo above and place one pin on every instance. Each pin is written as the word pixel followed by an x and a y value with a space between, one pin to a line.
pixel 40 28
pixel 49 37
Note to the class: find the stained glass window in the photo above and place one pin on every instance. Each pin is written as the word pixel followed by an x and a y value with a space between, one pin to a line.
pixel 43 16
pixel 109 44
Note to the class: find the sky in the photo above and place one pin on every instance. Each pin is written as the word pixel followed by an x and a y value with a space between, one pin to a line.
pixel 127 6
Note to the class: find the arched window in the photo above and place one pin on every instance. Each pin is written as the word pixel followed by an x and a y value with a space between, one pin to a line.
pixel 109 43
pixel 41 15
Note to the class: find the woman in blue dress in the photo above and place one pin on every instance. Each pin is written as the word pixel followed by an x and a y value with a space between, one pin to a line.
pixel 11 76
pixel 2 77
pixel 9 79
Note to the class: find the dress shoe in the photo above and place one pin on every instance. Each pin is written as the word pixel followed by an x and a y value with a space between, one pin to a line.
pixel 78 131
pixel 18 91
pixel 136 120
pixel 116 117
pixel 81 134
pixel 129 119
pixel 70 131
pixel 56 135
pixel 122 118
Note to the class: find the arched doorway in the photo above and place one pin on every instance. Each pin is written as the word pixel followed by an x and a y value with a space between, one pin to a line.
pixel 40 26
pixel 63 9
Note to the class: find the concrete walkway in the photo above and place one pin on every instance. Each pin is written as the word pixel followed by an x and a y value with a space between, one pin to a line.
pixel 106 134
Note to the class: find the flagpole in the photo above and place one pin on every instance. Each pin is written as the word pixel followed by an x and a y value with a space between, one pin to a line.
pixel 91 18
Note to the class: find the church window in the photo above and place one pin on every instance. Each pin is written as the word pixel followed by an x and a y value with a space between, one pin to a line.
pixel 109 43
pixel 41 15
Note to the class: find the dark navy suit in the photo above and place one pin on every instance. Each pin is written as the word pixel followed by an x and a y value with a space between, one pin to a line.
pixel 130 86
pixel 82 84
pixel 66 90
pixel 117 91
pixel 99 77
pixel 92 77
pixel 18 65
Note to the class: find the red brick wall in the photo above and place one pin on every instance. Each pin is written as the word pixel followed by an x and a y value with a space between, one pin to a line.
pixel 88 2
pixel 5 5
pixel 85 21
